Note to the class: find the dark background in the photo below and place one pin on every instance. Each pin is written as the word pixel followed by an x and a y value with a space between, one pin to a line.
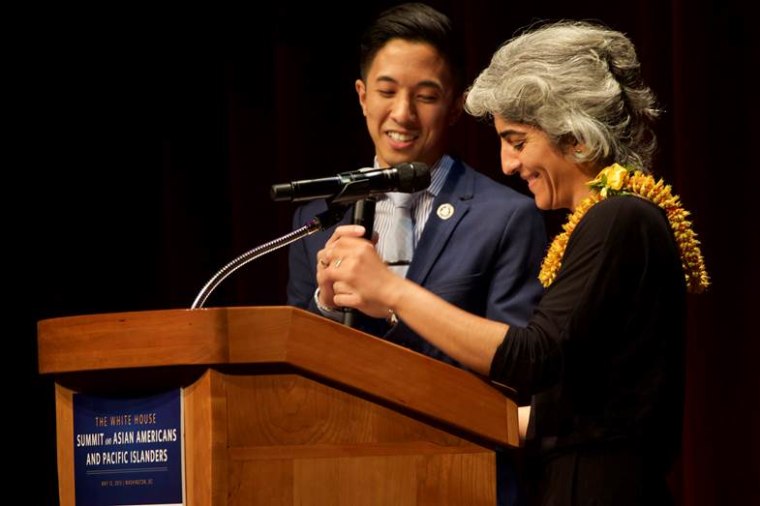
pixel 148 141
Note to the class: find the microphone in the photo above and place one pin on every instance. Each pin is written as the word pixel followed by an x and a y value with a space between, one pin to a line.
pixel 364 215
pixel 357 184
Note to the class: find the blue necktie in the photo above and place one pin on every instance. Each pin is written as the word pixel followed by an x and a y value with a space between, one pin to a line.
pixel 398 247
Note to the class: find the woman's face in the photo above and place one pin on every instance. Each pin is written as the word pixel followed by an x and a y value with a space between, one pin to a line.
pixel 555 178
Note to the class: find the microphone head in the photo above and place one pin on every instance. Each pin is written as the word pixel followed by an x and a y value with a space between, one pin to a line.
pixel 282 191
pixel 413 177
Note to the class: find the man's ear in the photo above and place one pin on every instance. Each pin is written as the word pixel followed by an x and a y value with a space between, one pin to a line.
pixel 361 90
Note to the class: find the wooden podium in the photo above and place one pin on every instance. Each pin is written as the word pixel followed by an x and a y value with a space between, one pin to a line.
pixel 285 407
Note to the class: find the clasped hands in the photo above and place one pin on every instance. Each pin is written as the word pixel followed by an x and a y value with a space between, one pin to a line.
pixel 351 274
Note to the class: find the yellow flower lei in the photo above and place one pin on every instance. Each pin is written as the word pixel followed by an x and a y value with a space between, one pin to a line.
pixel 618 180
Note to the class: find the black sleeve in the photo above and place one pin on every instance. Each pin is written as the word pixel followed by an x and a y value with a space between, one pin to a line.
pixel 602 272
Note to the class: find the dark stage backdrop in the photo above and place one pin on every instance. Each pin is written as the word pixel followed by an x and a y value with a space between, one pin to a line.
pixel 150 141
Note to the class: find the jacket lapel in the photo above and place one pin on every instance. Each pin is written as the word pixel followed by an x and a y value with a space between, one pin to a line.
pixel 457 193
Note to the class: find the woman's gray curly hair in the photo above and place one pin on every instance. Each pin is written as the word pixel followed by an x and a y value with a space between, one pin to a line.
pixel 579 83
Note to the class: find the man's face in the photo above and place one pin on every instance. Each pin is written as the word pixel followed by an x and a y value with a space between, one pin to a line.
pixel 409 102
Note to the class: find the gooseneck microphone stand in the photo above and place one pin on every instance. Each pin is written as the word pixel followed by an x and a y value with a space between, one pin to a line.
pixel 326 219
pixel 356 188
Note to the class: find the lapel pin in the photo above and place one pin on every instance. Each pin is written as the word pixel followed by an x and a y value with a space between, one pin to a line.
pixel 445 211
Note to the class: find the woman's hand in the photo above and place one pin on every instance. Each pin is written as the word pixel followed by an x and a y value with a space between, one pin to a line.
pixel 351 274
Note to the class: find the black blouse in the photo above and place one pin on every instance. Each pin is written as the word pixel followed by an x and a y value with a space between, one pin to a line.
pixel 603 352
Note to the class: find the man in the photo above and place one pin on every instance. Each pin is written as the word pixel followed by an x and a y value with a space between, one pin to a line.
pixel 476 243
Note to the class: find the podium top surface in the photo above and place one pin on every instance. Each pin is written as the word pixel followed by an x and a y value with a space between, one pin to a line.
pixel 255 336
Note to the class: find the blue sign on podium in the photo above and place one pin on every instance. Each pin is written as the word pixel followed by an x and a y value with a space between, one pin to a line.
pixel 129 451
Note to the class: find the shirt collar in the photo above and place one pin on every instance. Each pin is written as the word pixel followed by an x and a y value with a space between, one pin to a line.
pixel 438 173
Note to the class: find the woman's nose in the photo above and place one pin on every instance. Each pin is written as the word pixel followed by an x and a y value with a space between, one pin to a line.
pixel 509 164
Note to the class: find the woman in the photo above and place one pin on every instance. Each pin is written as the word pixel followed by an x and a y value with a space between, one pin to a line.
pixel 603 352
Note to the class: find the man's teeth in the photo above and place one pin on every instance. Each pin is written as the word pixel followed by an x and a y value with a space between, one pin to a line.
pixel 396 136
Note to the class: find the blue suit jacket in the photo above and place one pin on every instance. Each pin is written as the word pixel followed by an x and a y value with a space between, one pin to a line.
pixel 484 258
